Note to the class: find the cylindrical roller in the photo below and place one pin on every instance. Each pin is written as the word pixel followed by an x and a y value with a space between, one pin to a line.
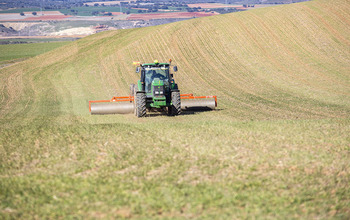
pixel 200 104
pixel 112 108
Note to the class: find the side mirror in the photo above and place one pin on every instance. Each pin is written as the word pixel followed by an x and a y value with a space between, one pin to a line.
pixel 138 69
pixel 175 68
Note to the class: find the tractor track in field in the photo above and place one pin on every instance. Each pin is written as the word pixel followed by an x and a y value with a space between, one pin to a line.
pixel 12 89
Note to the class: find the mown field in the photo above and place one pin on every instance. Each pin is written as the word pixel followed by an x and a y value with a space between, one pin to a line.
pixel 278 146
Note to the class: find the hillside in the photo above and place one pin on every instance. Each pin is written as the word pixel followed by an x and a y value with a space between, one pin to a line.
pixel 277 146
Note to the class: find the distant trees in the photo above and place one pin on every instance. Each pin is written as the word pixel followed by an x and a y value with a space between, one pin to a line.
pixel 34 13
pixel 22 14
pixel 74 12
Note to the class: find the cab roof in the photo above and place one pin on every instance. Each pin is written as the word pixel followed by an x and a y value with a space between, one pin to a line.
pixel 155 64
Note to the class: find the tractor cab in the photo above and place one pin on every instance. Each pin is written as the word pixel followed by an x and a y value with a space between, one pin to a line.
pixel 154 74
pixel 156 79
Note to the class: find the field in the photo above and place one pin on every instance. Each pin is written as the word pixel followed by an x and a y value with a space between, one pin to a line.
pixel 105 3
pixel 28 16
pixel 79 11
pixel 277 147
pixel 170 15
pixel 47 18
pixel 213 5
pixel 12 53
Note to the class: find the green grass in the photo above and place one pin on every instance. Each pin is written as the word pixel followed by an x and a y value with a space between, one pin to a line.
pixel 19 10
pixel 13 52
pixel 278 145
pixel 37 40
pixel 86 11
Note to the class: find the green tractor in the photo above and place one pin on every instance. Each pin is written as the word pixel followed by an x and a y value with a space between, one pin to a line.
pixel 156 89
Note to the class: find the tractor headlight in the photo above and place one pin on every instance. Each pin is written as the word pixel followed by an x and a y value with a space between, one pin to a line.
pixel 158 90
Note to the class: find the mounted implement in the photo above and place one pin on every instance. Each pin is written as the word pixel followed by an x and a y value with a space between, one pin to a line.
pixel 155 91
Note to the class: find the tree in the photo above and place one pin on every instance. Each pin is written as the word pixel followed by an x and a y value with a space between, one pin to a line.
pixel 34 13
pixel 22 14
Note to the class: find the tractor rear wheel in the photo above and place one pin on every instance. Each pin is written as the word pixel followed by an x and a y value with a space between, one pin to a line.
pixel 175 108
pixel 140 104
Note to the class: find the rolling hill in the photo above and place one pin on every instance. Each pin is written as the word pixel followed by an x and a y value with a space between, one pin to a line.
pixel 277 146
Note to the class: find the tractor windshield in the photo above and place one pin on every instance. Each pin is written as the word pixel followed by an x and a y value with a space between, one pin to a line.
pixel 161 73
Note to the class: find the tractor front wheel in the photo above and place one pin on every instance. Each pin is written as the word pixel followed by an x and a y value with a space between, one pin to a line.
pixel 140 104
pixel 175 108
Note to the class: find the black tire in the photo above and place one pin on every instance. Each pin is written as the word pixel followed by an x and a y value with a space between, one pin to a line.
pixel 175 108
pixel 140 104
